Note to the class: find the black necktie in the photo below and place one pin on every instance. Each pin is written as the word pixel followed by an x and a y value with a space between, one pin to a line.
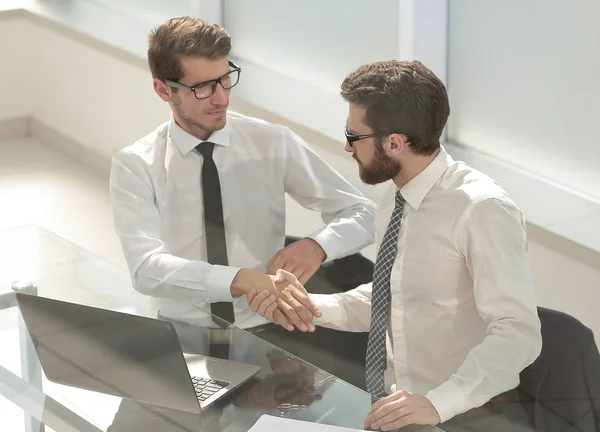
pixel 214 226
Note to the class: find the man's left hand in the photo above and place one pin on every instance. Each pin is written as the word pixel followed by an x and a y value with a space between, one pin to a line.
pixel 400 409
pixel 302 258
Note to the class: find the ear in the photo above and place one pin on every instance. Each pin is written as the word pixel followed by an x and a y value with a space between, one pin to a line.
pixel 162 89
pixel 398 143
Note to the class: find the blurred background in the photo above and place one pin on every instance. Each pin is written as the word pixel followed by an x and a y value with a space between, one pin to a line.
pixel 523 78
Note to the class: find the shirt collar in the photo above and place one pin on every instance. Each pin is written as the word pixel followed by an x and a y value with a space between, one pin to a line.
pixel 186 142
pixel 414 191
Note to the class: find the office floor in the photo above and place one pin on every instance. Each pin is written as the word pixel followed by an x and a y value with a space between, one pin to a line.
pixel 39 185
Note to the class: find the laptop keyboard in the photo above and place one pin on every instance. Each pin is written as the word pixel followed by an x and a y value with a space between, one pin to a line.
pixel 206 387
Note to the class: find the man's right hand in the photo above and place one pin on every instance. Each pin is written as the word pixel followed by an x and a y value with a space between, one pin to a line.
pixel 290 305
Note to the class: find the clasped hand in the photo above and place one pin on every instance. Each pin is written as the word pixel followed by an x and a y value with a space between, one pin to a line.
pixel 288 305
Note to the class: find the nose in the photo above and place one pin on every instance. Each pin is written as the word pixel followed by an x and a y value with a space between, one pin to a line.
pixel 349 148
pixel 220 96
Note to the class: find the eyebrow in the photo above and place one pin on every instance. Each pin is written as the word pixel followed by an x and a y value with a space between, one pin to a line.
pixel 211 80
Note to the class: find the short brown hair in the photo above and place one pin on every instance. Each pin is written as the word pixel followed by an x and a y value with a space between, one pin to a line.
pixel 401 97
pixel 180 37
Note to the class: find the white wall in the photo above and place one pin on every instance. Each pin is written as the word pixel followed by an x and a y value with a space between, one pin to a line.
pixel 524 83
pixel 15 67
pixel 94 98
pixel 315 41
pixel 157 11
pixel 567 276
pixel 295 55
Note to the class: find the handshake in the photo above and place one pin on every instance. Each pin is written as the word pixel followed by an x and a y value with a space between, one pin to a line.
pixel 287 304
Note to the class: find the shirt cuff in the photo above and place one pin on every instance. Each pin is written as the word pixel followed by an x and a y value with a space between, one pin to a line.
pixel 448 400
pixel 331 310
pixel 329 241
pixel 217 284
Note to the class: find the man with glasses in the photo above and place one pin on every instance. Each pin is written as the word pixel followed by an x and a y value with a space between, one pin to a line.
pixel 451 310
pixel 199 203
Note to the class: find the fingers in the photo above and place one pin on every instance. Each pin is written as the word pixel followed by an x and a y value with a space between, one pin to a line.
pixel 271 315
pixel 276 262
pixel 265 305
pixel 270 301
pixel 250 296
pixel 293 268
pixel 306 274
pixel 290 266
pixel 391 412
pixel 270 310
pixel 295 311
pixel 302 277
pixel 301 258
pixel 404 420
pixel 281 319
pixel 291 315
pixel 301 273
pixel 291 279
pixel 381 402
pixel 376 413
pixel 284 260
pixel 299 294
pixel 292 307
pixel 270 263
pixel 255 300
pixel 307 302
pixel 301 303
pixel 274 314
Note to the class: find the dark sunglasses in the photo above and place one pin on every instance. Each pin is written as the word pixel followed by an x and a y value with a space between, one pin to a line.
pixel 352 138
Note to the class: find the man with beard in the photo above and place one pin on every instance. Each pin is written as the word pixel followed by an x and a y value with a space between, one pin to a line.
pixel 451 310
pixel 199 203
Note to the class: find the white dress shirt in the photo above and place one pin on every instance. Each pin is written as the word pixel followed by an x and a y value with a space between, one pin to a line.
pixel 463 321
pixel 156 191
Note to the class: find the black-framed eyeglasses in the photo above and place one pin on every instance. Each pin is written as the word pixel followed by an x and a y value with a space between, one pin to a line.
pixel 352 138
pixel 206 89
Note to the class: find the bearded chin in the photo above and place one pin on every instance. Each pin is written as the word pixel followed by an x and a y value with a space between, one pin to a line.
pixel 380 170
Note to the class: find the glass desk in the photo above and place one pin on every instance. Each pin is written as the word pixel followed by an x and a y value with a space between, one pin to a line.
pixel 38 262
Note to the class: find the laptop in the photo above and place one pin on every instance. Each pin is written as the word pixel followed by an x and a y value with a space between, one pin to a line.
pixel 125 355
